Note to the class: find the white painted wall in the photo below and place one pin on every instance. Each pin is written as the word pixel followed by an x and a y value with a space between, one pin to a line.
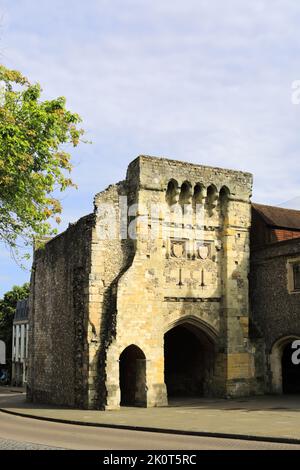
pixel 2 353
pixel 20 349
pixel 20 342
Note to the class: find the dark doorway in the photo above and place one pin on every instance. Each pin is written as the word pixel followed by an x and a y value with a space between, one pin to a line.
pixel 133 377
pixel 290 371
pixel 189 358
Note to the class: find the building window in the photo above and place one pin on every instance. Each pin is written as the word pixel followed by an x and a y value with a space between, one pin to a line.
pixel 20 351
pixel 25 342
pixel 296 276
pixel 293 271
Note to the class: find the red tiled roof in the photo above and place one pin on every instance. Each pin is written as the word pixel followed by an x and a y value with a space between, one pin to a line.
pixel 279 216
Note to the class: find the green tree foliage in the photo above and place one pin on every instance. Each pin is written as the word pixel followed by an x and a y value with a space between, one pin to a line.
pixel 34 162
pixel 7 310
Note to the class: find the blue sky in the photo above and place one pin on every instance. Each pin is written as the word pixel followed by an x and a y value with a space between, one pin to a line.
pixel 202 81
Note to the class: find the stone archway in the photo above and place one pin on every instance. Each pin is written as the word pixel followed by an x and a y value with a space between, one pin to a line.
pixel 290 371
pixel 189 361
pixel 285 376
pixel 133 377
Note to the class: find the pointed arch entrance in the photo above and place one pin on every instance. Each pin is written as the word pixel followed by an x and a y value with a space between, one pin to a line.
pixel 290 371
pixel 133 377
pixel 285 375
pixel 189 349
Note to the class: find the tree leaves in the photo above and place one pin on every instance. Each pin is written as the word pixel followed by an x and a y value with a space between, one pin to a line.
pixel 8 306
pixel 33 160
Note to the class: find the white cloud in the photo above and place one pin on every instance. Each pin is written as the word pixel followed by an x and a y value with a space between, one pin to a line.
pixel 202 81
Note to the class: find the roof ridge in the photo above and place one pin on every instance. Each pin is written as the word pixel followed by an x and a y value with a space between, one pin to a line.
pixel 254 204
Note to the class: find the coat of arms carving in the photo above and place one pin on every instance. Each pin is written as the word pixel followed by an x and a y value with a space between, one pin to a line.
pixel 178 249
pixel 203 250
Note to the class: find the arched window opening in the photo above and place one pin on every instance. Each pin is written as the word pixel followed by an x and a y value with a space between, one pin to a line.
pixel 212 198
pixel 172 193
pixel 185 193
pixel 199 193
pixel 133 377
pixel 223 199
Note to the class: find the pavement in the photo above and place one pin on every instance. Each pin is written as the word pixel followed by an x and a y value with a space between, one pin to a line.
pixel 265 418
pixel 8 444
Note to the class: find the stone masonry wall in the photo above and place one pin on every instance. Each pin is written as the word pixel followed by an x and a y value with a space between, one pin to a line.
pixel 58 364
pixel 157 290
pixel 274 309
pixel 93 296
pixel 110 257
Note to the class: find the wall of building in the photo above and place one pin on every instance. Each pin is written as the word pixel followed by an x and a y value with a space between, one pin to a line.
pixel 2 352
pixel 158 291
pixel 263 234
pixel 94 296
pixel 260 232
pixel 58 318
pixel 281 234
pixel 111 256
pixel 274 310
pixel 20 353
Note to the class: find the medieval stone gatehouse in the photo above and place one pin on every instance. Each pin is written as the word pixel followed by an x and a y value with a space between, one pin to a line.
pixel 147 297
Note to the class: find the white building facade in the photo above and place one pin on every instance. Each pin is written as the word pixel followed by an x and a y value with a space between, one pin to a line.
pixel 2 353
pixel 20 344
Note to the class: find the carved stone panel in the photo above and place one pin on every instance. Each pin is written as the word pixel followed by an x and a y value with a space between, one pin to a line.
pixel 178 248
pixel 203 250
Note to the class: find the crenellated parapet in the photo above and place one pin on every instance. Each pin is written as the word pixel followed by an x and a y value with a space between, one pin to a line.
pixel 153 173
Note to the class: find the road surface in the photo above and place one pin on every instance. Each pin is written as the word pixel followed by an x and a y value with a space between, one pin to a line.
pixel 25 433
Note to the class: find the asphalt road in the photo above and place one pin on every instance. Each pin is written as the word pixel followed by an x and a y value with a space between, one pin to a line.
pixel 25 433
